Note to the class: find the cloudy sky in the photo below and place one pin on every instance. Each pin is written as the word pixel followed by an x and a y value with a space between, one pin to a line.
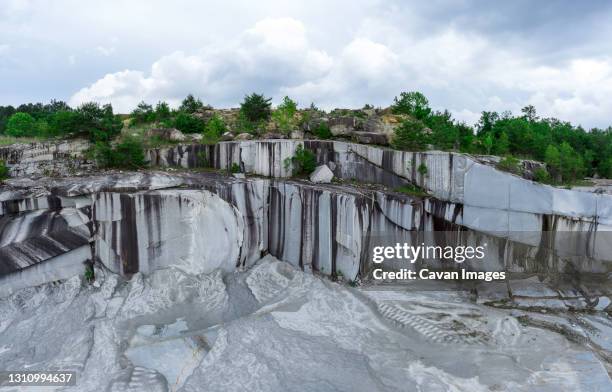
pixel 466 56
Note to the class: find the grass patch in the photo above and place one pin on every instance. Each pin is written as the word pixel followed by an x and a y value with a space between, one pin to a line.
pixel 8 140
pixel 411 190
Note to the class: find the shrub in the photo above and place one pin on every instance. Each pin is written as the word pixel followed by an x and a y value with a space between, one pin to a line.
pixel 143 114
pixel 89 273
pixel 303 161
pixel 322 131
pixel 235 168
pixel 510 164
pixel 21 124
pixel 215 127
pixel 128 154
pixel 541 175
pixel 188 124
pixel 410 136
pixel 4 171
pixel 256 108
pixel 64 122
pixel 422 169
pixel 99 122
pixel 162 111
pixel 190 104
pixel 284 115
pixel 412 190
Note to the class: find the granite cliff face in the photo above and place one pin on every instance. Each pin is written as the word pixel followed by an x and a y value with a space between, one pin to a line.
pixel 188 290
pixel 198 222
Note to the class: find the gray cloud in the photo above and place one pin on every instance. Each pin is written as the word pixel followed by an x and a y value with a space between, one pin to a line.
pixel 465 55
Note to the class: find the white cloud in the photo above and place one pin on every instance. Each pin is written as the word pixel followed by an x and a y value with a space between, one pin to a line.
pixel 105 51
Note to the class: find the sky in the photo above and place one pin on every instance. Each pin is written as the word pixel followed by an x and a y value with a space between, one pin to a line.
pixel 464 55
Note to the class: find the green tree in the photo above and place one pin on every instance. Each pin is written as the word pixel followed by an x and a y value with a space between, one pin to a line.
pixel 188 124
pixel 162 111
pixel 64 122
pixel 21 124
pixel 410 136
pixel 215 127
pixel 143 113
pixel 129 153
pixel 190 104
pixel 284 115
pixel 487 143
pixel 412 103
pixel 553 160
pixel 256 108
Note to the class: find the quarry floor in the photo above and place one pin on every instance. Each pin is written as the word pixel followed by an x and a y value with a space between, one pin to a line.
pixel 275 328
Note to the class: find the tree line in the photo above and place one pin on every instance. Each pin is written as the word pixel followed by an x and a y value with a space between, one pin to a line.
pixel 570 151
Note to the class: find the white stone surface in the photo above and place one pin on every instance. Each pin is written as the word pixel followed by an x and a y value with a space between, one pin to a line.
pixel 322 174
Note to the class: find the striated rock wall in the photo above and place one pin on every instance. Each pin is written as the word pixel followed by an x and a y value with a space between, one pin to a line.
pixel 46 158
pixel 201 222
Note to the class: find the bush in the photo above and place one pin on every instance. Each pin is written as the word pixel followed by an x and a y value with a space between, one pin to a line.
pixel 143 114
pixel 190 104
pixel 128 154
pixel 99 122
pixel 162 111
pixel 20 125
pixel 64 122
pixel 235 168
pixel 303 161
pixel 256 108
pixel 410 136
pixel 422 169
pixel 510 164
pixel 4 171
pixel 541 175
pixel 188 124
pixel 284 115
pixel 322 131
pixel 215 127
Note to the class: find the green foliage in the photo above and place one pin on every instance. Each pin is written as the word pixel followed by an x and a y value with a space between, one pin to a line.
pixel 565 165
pixel 21 124
pixel 412 190
pixel 284 115
pixel 190 104
pixel 412 103
pixel 162 111
pixel 128 154
pixel 510 164
pixel 235 168
pixel 89 273
pixel 255 108
pixel 143 114
pixel 410 136
pixel 215 127
pixel 188 124
pixel 4 171
pixel 322 131
pixel 98 122
pixel 422 169
pixel 487 142
pixel 64 122
pixel 541 175
pixel 303 161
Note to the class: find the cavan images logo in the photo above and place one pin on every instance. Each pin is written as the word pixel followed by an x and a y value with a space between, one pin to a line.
pixel 411 254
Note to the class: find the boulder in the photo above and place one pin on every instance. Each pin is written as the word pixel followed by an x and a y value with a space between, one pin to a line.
pixel 322 174
pixel 171 134
pixel 370 138
pixel 342 126
pixel 244 136
pixel 273 135
pixel 297 134
pixel 227 136
pixel 196 137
